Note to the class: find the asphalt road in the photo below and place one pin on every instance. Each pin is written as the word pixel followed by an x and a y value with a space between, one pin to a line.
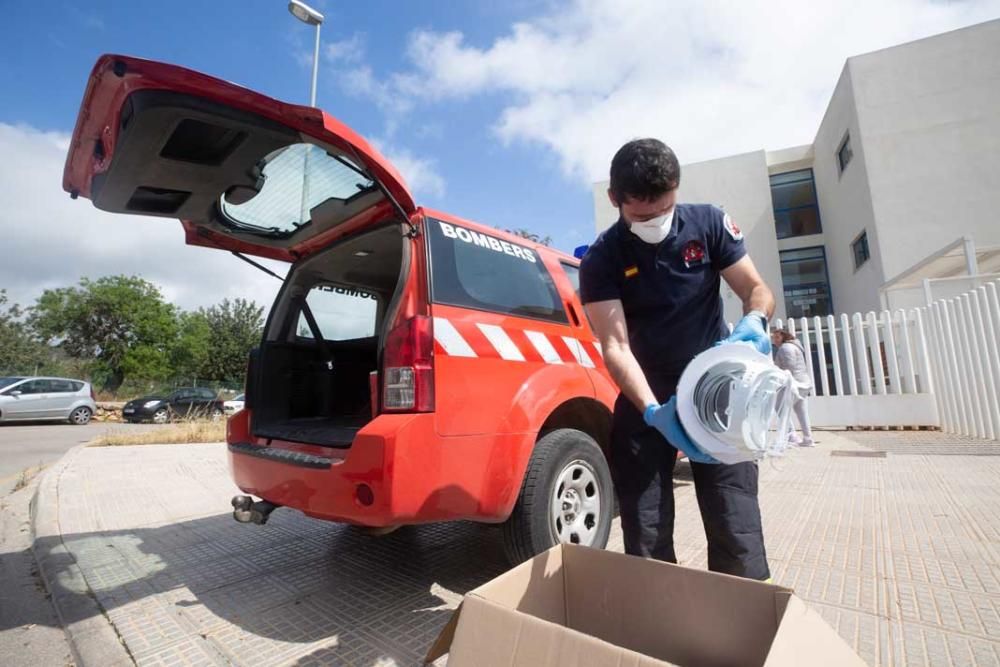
pixel 31 445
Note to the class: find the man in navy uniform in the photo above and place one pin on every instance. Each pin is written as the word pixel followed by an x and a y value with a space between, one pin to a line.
pixel 650 286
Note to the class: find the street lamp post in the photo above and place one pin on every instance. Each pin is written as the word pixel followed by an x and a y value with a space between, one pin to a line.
pixel 309 16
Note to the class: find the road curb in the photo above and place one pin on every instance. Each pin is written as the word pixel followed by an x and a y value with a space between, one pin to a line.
pixel 92 637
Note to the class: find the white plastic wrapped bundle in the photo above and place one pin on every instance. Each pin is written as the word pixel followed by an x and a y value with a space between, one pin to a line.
pixel 735 404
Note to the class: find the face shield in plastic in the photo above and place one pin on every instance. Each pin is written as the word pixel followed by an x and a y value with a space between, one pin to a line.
pixel 735 404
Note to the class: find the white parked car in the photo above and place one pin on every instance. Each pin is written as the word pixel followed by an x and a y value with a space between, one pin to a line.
pixel 233 406
pixel 45 398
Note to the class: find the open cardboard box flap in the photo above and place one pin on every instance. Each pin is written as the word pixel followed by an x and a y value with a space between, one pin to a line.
pixel 574 605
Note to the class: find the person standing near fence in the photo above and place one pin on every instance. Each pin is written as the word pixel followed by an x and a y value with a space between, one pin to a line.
pixel 789 355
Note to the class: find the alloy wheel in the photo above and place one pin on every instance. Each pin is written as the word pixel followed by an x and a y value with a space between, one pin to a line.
pixel 575 510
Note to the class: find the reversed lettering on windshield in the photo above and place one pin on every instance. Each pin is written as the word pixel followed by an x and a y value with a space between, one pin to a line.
pixel 484 241
pixel 346 291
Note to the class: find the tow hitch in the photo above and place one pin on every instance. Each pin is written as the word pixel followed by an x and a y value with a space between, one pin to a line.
pixel 245 510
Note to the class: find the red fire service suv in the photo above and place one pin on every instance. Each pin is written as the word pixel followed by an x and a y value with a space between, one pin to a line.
pixel 415 367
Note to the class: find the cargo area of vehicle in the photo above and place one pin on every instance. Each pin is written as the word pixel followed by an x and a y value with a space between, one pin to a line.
pixel 314 386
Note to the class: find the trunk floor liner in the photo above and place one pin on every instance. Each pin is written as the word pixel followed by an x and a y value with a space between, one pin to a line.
pixel 333 432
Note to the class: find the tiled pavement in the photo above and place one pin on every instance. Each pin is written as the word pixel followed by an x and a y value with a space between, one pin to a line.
pixel 900 552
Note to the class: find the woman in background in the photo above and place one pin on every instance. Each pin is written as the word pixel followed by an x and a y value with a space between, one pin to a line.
pixel 789 355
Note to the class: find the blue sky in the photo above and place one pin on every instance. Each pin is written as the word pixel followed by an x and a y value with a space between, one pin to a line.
pixel 260 45
pixel 504 113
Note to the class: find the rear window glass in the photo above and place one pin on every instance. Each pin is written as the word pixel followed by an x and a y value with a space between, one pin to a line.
pixel 342 312
pixel 294 180
pixel 65 386
pixel 475 270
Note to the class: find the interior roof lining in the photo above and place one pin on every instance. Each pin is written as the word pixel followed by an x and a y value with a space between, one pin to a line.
pixel 150 120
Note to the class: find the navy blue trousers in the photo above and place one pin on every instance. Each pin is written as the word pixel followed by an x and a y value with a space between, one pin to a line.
pixel 642 467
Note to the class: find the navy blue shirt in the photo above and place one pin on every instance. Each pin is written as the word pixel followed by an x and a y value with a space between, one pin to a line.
pixel 670 291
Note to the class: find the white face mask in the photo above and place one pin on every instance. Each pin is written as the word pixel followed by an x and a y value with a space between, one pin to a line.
pixel 655 230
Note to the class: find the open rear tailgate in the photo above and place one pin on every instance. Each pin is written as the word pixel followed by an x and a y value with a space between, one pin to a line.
pixel 243 171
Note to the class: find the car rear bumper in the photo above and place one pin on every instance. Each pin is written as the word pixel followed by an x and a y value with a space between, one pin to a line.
pixel 397 471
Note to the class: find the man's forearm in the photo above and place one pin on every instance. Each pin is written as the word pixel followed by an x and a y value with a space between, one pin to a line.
pixel 628 375
pixel 760 299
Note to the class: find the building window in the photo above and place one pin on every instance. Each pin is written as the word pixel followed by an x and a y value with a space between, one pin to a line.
pixel 796 212
pixel 859 247
pixel 807 284
pixel 844 153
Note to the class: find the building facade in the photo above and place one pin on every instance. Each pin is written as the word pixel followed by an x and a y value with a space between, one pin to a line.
pixel 905 161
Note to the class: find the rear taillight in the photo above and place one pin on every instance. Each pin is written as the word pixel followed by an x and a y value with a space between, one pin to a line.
pixel 408 367
pixel 92 396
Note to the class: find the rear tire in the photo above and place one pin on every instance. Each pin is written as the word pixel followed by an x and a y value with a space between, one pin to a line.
pixel 81 416
pixel 566 496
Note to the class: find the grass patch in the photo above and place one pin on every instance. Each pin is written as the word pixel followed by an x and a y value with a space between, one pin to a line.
pixel 26 476
pixel 173 434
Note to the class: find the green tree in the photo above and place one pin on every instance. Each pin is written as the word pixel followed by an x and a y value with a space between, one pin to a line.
pixel 20 351
pixel 121 322
pixel 531 236
pixel 234 328
pixel 191 350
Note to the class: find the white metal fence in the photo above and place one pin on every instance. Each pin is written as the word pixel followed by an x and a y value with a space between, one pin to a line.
pixel 930 366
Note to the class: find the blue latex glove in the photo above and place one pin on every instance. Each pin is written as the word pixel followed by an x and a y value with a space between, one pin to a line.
pixel 750 330
pixel 664 419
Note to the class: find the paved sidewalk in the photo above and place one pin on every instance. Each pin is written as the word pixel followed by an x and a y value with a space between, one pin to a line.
pixel 900 552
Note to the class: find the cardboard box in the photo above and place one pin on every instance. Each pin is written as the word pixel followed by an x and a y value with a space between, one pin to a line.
pixel 577 606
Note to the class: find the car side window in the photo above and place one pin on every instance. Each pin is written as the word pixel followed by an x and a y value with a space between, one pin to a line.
pixel 206 394
pixel 475 270
pixel 342 312
pixel 61 386
pixel 32 387
pixel 573 273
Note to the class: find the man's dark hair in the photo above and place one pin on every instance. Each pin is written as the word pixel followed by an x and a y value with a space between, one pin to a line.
pixel 643 169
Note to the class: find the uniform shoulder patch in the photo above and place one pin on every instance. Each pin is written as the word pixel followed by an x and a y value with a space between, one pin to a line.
pixel 731 227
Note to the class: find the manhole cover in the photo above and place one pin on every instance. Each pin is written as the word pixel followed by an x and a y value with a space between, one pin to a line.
pixel 858 453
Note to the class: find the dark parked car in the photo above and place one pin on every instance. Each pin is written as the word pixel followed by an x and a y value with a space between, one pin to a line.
pixel 183 403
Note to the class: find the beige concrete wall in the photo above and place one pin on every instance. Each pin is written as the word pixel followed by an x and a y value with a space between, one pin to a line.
pixel 929 116
pixel 605 214
pixel 739 185
pixel 845 206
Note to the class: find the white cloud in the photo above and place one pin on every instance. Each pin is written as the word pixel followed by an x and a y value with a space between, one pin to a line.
pixel 361 81
pixel 711 78
pixel 421 173
pixel 393 98
pixel 48 240
pixel 348 50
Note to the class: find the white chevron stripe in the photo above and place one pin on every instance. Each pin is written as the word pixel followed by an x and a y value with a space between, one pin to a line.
pixel 600 350
pixel 501 341
pixel 544 347
pixel 577 349
pixel 447 335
